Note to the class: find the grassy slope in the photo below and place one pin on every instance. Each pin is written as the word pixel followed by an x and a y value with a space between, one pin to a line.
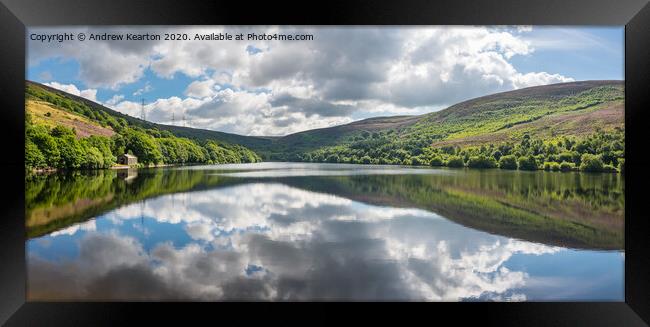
pixel 194 133
pixel 575 108
pixel 512 111
pixel 44 113
pixel 311 139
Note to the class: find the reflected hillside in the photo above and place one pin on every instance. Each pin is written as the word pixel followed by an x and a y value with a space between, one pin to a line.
pixel 563 209
pixel 569 210
pixel 56 201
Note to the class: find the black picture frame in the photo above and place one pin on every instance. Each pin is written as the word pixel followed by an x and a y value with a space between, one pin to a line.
pixel 15 15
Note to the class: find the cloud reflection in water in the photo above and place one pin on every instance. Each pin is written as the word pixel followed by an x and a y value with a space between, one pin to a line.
pixel 268 241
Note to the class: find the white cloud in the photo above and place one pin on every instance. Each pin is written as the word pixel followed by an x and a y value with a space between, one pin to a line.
pixel 533 79
pixel 86 226
pixel 379 70
pixel 294 235
pixel 90 94
pixel 201 89
pixel 115 99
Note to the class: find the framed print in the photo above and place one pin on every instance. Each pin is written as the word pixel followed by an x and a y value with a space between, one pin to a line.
pixel 441 157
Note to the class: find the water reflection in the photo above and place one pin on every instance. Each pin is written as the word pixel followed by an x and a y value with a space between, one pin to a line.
pixel 305 239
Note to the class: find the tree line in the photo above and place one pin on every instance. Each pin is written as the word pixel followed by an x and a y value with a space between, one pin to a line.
pixel 60 148
pixel 601 151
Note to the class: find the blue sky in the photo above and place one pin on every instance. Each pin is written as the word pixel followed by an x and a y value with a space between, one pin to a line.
pixel 584 53
pixel 344 74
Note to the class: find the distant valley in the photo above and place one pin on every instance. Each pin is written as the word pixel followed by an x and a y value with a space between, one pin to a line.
pixel 556 123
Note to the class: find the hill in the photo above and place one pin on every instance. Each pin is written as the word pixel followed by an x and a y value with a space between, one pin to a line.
pixel 508 111
pixel 63 131
pixel 45 113
pixel 552 124
pixel 541 122
pixel 500 113
pixel 194 133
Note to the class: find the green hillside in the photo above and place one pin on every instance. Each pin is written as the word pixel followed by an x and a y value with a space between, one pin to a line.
pixel 580 211
pixel 567 126
pixel 532 128
pixel 180 131
pixel 63 131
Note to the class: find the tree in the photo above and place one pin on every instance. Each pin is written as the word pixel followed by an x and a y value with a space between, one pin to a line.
pixel 103 145
pixel 551 166
pixel 436 161
pixel 481 161
pixel 118 145
pixel 93 159
pixel 59 131
pixel 143 146
pixel 72 152
pixel 508 162
pixel 418 161
pixel 332 158
pixel 34 158
pixel 527 163
pixel 591 163
pixel 455 161
pixel 566 166
pixel 46 144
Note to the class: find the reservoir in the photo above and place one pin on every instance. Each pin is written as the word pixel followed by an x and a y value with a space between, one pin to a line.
pixel 307 231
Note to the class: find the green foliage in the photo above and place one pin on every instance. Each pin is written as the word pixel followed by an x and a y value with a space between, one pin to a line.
pixel 455 161
pixel 551 166
pixel 567 166
pixel 33 156
pixel 387 150
pixel 419 161
pixel 332 158
pixel 59 147
pixel 46 143
pixel 527 163
pixel 609 168
pixel 72 152
pixel 143 146
pixel 591 163
pixel 481 161
pixel 508 162
pixel 103 146
pixel 436 161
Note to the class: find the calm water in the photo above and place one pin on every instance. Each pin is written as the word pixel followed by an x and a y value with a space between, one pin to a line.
pixel 285 231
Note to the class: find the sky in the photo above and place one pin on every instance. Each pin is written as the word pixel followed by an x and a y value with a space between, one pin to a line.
pixel 344 74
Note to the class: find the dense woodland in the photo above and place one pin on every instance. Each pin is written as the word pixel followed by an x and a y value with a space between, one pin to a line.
pixel 600 151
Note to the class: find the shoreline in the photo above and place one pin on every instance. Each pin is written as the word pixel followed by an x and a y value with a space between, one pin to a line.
pixel 123 167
